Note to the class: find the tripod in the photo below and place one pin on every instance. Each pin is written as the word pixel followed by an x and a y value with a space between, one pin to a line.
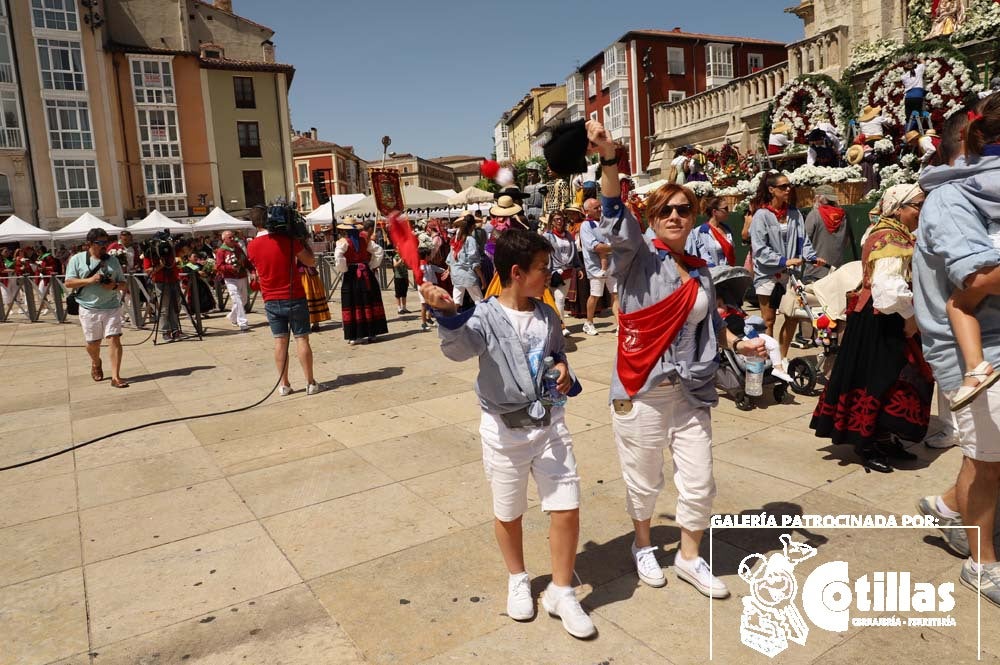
pixel 169 295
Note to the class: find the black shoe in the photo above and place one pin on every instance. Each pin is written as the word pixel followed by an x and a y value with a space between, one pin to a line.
pixel 801 342
pixel 876 462
pixel 894 448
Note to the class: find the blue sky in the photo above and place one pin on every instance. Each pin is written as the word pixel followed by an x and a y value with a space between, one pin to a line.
pixel 435 75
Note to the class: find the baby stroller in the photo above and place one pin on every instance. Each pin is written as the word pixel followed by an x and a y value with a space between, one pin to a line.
pixel 730 285
pixel 823 303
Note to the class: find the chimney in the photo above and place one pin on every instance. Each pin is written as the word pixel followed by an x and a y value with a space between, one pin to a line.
pixel 313 134
pixel 224 5
pixel 677 29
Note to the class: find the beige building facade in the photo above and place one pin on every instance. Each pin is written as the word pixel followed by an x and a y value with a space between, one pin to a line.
pixel 465 167
pixel 414 170
pixel 516 136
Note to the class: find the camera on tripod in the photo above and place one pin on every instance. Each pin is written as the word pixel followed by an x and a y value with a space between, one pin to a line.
pixel 284 219
pixel 159 248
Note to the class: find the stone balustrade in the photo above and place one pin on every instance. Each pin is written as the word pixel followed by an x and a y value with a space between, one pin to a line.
pixel 825 53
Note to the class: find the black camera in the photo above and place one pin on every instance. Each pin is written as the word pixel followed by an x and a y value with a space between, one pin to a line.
pixel 284 219
pixel 158 248
pixel 105 279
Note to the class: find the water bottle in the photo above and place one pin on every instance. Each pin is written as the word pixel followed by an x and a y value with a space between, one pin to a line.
pixel 754 386
pixel 550 392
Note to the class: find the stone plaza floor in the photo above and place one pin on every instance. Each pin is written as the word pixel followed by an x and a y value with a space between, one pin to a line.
pixel 354 526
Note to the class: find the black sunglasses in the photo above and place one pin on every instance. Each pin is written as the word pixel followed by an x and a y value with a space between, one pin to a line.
pixel 683 210
pixel 785 187
pixel 102 242
pixel 916 206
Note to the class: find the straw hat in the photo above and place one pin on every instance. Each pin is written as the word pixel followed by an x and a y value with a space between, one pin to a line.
pixel 505 207
pixel 348 224
pixel 931 132
pixel 781 128
pixel 911 135
pixel 869 112
pixel 855 154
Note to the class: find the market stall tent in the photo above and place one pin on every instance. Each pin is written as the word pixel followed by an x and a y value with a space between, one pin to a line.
pixel 471 195
pixel 80 226
pixel 414 198
pixel 15 229
pixel 157 221
pixel 324 214
pixel 219 220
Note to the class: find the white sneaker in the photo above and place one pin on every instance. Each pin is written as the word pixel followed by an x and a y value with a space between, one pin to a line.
pixel 312 388
pixel 520 606
pixel 589 329
pixel 285 391
pixel 698 574
pixel 647 566
pixel 565 332
pixel 565 606
pixel 941 440
pixel 781 374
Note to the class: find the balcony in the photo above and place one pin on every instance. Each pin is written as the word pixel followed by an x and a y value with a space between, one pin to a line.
pixel 825 53
pixel 11 138
pixel 6 72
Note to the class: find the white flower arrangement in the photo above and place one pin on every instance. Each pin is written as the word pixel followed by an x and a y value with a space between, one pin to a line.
pixel 894 174
pixel 812 176
pixel 701 188
pixel 821 107
pixel 982 19
pixel 884 146
pixel 909 160
pixel 730 191
pixel 867 53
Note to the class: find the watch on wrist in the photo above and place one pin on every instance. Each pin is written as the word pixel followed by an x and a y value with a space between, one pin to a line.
pixel 736 342
pixel 609 162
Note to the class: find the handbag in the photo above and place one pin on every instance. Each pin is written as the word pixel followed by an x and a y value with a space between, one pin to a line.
pixel 72 306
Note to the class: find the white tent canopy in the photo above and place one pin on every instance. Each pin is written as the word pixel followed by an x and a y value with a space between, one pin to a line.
pixel 323 214
pixel 651 187
pixel 471 195
pixel 15 229
pixel 157 221
pixel 414 198
pixel 446 192
pixel 219 220
pixel 80 226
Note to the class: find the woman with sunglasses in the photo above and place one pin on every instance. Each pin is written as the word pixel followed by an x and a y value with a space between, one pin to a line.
pixel 880 387
pixel 779 241
pixel 663 384
pixel 713 240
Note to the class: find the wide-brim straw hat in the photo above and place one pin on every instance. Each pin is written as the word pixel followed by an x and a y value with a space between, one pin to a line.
pixel 855 154
pixel 575 209
pixel 781 128
pixel 505 207
pixel 869 112
pixel 348 224
pixel 911 135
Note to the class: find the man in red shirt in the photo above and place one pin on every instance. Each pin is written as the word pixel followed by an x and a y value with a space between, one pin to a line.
pixel 231 264
pixel 273 257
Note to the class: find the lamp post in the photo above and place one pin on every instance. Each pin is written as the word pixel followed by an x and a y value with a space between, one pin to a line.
pixel 386 142
pixel 648 75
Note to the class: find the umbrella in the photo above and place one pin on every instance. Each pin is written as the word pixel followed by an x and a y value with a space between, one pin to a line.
pixel 471 195
pixel 323 214
pixel 219 220
pixel 80 226
pixel 16 229
pixel 414 198
pixel 157 221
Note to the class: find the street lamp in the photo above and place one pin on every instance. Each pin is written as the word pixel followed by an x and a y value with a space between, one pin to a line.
pixel 386 142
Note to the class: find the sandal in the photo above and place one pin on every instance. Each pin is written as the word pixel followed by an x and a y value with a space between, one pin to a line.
pixel 986 376
pixel 119 383
pixel 97 371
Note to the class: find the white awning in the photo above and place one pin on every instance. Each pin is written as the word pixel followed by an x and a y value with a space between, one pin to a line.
pixel 15 229
pixel 80 226
pixel 220 220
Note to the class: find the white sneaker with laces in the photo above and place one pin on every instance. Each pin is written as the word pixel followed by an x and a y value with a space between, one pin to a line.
pixel 285 391
pixel 647 566
pixel 565 606
pixel 520 606
pixel 312 388
pixel 589 329
pixel 699 575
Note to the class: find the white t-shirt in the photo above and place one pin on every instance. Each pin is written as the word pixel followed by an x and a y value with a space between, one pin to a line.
pixel 685 338
pixel 532 329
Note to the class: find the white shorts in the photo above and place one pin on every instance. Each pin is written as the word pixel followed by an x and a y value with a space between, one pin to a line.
pixel 979 426
pixel 597 285
pixel 767 288
pixel 509 455
pixel 100 323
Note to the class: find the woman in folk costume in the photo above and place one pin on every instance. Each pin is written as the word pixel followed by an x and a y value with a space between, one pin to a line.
pixel 355 256
pixel 663 383
pixel 880 388
pixel 319 310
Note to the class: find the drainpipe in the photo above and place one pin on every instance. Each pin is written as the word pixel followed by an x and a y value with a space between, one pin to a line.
pixel 283 135
pixel 30 165
pixel 115 63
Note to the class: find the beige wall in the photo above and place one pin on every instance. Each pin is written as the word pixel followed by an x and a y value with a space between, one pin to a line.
pixel 14 165
pixel 867 19
pixel 271 115
pixel 241 39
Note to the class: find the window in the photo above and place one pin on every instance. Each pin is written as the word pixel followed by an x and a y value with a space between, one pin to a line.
pixel 593 115
pixel 243 87
pixel 6 200
pixel 614 64
pixel 158 134
pixel 153 82
pixel 676 95
pixel 54 15
pixel 675 60
pixel 76 184
pixel 61 63
pixel 719 60
pixel 305 200
pixel 574 90
pixel 10 121
pixel 249 138
pixel 755 61
pixel 163 179
pixel 253 188
pixel 302 169
pixel 616 116
pixel 592 84
pixel 69 125
pixel 606 114
pixel 6 62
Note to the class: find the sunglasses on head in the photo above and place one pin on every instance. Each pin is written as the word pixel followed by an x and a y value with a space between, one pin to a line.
pixel 683 210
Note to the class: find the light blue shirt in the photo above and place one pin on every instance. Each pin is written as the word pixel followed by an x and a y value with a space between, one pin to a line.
pixel 591 235
pixel 95 296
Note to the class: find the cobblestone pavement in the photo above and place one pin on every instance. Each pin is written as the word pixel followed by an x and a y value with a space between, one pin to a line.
pixel 355 525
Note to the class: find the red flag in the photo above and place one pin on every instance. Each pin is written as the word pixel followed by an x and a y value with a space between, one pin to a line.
pixel 406 243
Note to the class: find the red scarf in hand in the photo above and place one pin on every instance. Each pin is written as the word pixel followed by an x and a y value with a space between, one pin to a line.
pixel 646 334
pixel 405 243
pixel 833 217
pixel 727 247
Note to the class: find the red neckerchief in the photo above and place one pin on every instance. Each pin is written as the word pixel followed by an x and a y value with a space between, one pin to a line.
pixel 727 247
pixel 780 213
pixel 833 217
pixel 558 234
pixel 456 245
pixel 646 334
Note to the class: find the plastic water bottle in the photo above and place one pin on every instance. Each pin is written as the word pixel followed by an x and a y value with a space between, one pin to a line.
pixel 754 386
pixel 550 392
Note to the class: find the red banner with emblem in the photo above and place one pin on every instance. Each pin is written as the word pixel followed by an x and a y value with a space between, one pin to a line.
pixel 386 190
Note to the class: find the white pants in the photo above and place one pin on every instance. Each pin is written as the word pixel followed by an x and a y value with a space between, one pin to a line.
pixel 559 294
pixel 237 288
pixel 773 349
pixel 663 418
pixel 458 294
pixel 978 425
